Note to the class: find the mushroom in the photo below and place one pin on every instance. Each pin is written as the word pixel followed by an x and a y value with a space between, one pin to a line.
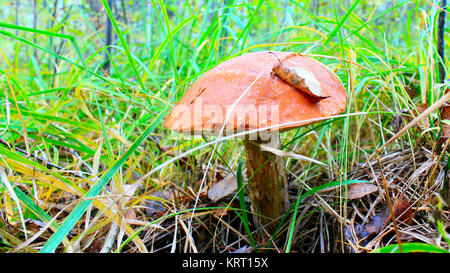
pixel 243 94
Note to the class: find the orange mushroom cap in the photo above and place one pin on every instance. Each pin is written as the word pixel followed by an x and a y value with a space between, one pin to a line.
pixel 255 97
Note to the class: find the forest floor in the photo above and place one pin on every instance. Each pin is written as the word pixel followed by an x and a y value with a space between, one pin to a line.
pixel 86 164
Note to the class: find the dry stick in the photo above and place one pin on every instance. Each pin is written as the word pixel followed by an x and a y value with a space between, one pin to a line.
pixel 61 43
pixel 110 237
pixel 428 111
pixel 17 15
pixel 48 164
pixel 391 206
pixel 52 23
pixel 388 197
pixel 440 48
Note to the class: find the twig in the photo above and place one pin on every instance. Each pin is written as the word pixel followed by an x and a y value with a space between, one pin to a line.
pixel 110 238
pixel 424 114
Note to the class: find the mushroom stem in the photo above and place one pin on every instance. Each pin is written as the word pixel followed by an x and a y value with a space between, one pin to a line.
pixel 268 189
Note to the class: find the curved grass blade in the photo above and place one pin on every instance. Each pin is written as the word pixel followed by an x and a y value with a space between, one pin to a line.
pixel 243 216
pixel 36 210
pixel 44 32
pixel 123 42
pixel 310 192
pixel 410 248
pixel 83 67
pixel 72 187
pixel 5 181
pixel 45 117
pixel 243 37
pixel 340 23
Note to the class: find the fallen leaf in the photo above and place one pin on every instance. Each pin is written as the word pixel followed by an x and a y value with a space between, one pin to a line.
pixel 130 214
pixel 155 204
pixel 410 91
pixel 129 190
pixel 359 190
pixel 221 212
pixel 426 122
pixel 244 249
pixel 223 188
pixel 397 121
pixel 36 223
pixel 403 210
pixel 364 232
pixel 301 78
pixel 168 149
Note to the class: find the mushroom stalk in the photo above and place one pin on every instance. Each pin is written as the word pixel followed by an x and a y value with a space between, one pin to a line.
pixel 268 189
pixel 297 90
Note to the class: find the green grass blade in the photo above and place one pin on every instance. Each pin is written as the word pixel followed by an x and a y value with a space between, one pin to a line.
pixel 80 209
pixel 241 194
pixel 35 209
pixel 410 248
pixel 243 36
pixel 5 181
pixel 124 43
pixel 340 23
pixel 48 33
pixel 83 67
pixel 310 192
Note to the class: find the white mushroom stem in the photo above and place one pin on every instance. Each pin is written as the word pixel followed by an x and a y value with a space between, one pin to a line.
pixel 268 188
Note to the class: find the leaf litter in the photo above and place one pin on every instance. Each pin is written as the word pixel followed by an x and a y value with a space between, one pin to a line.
pixel 406 172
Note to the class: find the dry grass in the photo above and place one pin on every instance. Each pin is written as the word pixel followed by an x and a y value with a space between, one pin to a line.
pixel 86 165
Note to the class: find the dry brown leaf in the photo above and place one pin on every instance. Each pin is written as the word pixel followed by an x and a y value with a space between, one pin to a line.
pixel 129 190
pixel 130 214
pixel 411 91
pixel 244 249
pixel 168 149
pixel 301 78
pixel 221 212
pixel 420 109
pixel 359 190
pixel 402 212
pixel 223 188
pixel 157 198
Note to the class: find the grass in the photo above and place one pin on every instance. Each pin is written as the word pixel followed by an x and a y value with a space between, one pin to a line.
pixel 76 137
